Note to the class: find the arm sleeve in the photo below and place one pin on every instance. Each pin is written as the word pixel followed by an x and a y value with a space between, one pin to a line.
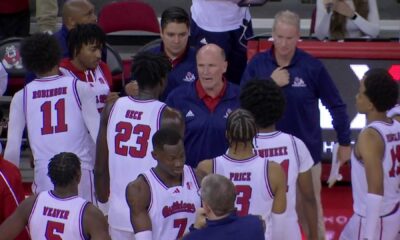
pixel 305 159
pixel 322 21
pixel 332 100
pixel 370 26
pixel 89 109
pixel 16 125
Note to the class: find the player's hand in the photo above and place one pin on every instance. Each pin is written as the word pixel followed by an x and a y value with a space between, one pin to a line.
pixel 344 154
pixel 132 88
pixel 200 218
pixel 280 76
pixel 343 8
pixel 112 97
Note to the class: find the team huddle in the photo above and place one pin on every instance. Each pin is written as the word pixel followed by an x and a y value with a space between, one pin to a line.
pixel 121 167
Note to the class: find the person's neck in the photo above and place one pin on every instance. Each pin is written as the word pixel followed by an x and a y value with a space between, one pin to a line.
pixel 173 56
pixel 215 90
pixel 54 71
pixel 146 94
pixel 241 151
pixel 78 65
pixel 283 60
pixel 269 129
pixel 211 216
pixel 377 116
pixel 168 180
pixel 65 192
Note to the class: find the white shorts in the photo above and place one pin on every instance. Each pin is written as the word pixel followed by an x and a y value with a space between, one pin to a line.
pixel 85 189
pixel 388 228
pixel 117 234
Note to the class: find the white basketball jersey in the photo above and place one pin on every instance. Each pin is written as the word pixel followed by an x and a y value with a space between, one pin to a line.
pixel 54 120
pixel 172 210
pixel 56 218
pixel 390 133
pixel 131 125
pixel 98 84
pixel 250 177
pixel 292 154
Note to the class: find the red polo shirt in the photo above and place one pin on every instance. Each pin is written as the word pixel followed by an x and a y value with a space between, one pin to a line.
pixel 209 101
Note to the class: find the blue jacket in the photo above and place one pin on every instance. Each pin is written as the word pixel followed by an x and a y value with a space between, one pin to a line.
pixel 183 72
pixel 204 130
pixel 231 227
pixel 309 81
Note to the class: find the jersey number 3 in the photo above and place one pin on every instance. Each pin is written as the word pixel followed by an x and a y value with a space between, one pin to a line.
pixel 243 199
pixel 124 131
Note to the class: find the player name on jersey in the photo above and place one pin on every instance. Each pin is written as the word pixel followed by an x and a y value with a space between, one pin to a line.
pixel 49 92
pixel 272 152
pixel 132 114
pixel 177 207
pixel 56 213
pixel 240 176
pixel 393 137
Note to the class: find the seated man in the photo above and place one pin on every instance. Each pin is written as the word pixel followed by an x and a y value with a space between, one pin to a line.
pixel 217 219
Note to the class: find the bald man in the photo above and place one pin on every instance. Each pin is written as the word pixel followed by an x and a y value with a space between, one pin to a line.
pixel 74 12
pixel 206 103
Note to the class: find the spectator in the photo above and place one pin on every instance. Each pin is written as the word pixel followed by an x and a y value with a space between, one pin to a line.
pixel 224 23
pixel 304 81
pixel 265 100
pixel 339 19
pixel 206 103
pixel 58 213
pixel 218 219
pixel 85 43
pixel 375 165
pixel 11 193
pixel 59 112
pixel 260 184
pixel 46 15
pixel 175 25
pixel 123 149
pixel 14 18
pixel 3 79
pixel 163 200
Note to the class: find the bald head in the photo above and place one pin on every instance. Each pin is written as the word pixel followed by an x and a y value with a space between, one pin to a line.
pixel 211 49
pixel 78 12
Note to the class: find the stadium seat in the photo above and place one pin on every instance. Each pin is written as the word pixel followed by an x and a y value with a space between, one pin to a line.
pixel 12 62
pixel 128 16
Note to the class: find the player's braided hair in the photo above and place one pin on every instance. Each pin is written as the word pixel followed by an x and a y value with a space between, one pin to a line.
pixel 148 69
pixel 265 100
pixel 63 168
pixel 84 34
pixel 240 127
pixel 381 89
pixel 40 53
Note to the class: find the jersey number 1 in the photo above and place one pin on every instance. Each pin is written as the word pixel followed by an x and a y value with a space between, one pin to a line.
pixel 395 154
pixel 47 116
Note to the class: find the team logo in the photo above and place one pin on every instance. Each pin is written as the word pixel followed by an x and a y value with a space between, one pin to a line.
pixel 190 77
pixel 299 82
pixel 228 111
pixel 190 114
pixel 11 58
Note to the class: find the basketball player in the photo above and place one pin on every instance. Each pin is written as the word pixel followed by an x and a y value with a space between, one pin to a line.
pixel 164 199
pixel 58 213
pixel 375 162
pixel 260 184
pixel 124 146
pixel 60 114
pixel 265 100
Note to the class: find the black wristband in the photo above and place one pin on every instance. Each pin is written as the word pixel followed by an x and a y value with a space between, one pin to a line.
pixel 354 17
pixel 192 228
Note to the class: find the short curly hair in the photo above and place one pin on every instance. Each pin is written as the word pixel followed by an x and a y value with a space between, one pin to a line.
pixel 84 34
pixel 40 53
pixel 381 89
pixel 265 100
pixel 63 168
